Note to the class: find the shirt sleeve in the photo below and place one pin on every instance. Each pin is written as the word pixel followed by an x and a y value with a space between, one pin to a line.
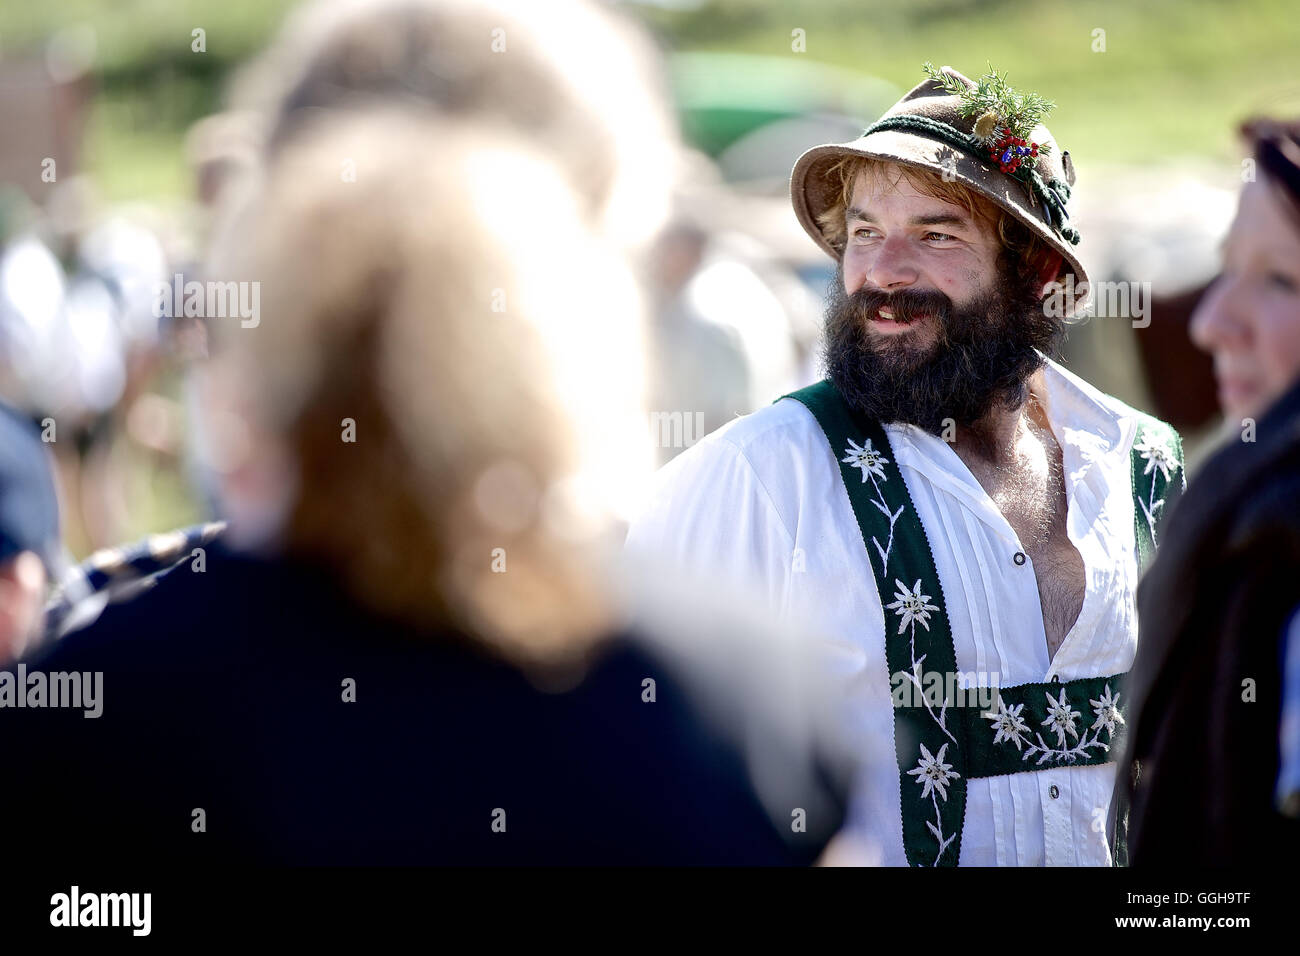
pixel 710 517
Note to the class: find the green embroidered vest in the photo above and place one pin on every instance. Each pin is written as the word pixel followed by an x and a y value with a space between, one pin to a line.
pixel 940 739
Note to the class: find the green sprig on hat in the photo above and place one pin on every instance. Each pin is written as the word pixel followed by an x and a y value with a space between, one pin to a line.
pixel 1002 110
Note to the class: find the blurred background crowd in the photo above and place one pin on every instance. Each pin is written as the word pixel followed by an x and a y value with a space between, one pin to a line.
pixel 117 142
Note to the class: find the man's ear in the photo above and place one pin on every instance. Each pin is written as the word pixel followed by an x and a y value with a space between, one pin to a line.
pixel 1049 267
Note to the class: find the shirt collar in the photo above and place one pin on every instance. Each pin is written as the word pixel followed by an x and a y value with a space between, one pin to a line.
pixel 1082 418
pixel 1087 425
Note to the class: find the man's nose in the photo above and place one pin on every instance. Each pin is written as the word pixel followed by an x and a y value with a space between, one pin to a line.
pixel 892 267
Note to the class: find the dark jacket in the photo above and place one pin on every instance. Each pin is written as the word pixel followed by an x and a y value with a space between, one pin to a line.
pixel 223 691
pixel 1202 759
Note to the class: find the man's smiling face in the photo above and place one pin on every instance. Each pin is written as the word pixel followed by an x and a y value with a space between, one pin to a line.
pixel 933 318
pixel 903 240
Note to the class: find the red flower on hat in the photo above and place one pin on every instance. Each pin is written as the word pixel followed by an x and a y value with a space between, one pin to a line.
pixel 1010 152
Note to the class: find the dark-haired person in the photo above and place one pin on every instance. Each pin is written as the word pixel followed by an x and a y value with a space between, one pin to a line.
pixel 950 501
pixel 29 532
pixel 1203 761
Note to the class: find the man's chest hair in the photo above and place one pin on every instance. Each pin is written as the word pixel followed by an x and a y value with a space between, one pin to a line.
pixel 1029 491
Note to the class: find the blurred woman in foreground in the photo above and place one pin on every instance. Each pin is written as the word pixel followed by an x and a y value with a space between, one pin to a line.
pixel 1204 762
pixel 411 648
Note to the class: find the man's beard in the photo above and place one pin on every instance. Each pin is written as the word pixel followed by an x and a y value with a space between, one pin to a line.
pixel 980 358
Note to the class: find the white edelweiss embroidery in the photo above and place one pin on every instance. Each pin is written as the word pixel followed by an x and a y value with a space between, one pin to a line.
pixel 910 605
pixel 932 773
pixel 1157 454
pixel 1008 723
pixel 872 463
pixel 1060 718
pixel 865 458
pixel 1107 711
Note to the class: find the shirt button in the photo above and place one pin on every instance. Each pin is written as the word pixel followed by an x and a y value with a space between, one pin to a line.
pixel 1019 557
pixel 1055 791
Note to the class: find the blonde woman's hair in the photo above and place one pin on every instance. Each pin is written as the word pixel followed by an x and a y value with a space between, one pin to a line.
pixel 581 82
pixel 436 284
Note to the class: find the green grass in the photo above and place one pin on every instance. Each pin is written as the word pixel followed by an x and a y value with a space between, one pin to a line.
pixel 135 34
pixel 1176 77
pixel 151 84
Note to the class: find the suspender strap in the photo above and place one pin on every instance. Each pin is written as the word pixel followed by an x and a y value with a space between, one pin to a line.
pixel 928 742
pixel 1158 480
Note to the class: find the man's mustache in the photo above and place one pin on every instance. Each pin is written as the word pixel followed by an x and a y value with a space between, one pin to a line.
pixel 907 305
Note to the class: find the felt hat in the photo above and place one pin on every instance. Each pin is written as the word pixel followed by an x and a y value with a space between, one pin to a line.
pixel 984 135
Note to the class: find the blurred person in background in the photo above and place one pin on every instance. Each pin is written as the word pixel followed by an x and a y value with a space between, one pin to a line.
pixel 1210 774
pixel 81 352
pixel 699 377
pixel 406 649
pixel 722 339
pixel 29 533
pixel 950 501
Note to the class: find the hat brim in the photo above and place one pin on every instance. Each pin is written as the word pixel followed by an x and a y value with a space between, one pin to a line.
pixel 811 192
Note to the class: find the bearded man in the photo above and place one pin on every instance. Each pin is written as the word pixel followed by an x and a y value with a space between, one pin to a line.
pixel 963 519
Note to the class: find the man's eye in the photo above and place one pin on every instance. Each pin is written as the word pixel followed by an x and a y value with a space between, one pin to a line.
pixel 938 236
pixel 863 232
pixel 1283 281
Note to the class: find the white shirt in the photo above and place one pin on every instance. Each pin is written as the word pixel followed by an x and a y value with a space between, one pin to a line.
pixel 760 504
